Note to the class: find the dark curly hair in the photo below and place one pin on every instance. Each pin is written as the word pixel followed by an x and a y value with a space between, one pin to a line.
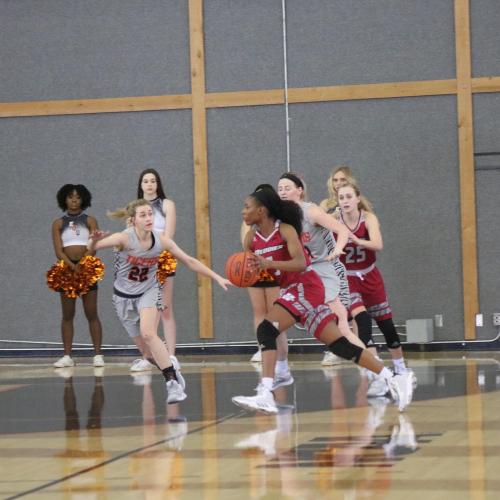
pixel 67 189
pixel 159 186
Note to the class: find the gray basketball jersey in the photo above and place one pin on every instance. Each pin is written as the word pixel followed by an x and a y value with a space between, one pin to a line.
pixel 135 268
pixel 318 240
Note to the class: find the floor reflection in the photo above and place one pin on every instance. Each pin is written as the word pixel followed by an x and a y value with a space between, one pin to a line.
pixel 81 433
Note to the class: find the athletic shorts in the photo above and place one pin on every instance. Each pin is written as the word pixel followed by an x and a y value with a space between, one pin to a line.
pixel 128 308
pixel 305 302
pixel 368 290
pixel 330 279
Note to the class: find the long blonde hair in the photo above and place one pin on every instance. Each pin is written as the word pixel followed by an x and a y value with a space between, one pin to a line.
pixel 128 211
pixel 332 201
pixel 364 203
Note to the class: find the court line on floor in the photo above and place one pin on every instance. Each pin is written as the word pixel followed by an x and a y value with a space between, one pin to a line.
pixel 122 455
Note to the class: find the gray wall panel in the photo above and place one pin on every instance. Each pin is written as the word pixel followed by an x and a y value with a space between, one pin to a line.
pixel 105 152
pixel 55 49
pixel 487 139
pixel 485 36
pixel 335 42
pixel 246 148
pixel 403 152
pixel 243 45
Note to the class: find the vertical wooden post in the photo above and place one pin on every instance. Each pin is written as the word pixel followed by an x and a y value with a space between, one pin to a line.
pixel 200 160
pixel 466 160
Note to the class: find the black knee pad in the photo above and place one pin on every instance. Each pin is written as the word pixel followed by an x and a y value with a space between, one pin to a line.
pixel 364 322
pixel 267 334
pixel 389 331
pixel 343 348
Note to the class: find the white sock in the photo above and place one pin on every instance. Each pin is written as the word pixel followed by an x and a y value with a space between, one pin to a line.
pixel 267 382
pixel 399 365
pixel 281 366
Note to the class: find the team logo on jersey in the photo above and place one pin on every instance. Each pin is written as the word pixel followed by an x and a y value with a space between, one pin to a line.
pixel 289 297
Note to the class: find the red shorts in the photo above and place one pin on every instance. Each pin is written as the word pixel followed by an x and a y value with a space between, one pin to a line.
pixel 368 290
pixel 304 300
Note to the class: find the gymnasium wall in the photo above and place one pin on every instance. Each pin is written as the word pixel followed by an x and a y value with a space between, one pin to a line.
pixel 61 57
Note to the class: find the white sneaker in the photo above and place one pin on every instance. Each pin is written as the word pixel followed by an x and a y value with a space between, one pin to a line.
pixel 64 362
pixel 263 441
pixel 414 380
pixel 401 387
pixel 282 379
pixel 98 361
pixel 377 387
pixel 175 392
pixel 257 357
pixel 178 374
pixel 141 365
pixel 263 401
pixel 403 440
pixel 330 359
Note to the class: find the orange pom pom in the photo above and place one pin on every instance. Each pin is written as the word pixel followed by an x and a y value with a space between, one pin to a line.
pixel 167 264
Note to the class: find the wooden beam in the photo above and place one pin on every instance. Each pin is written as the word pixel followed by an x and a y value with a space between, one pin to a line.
pixel 90 106
pixel 466 167
pixel 200 160
pixel 372 91
pixel 250 98
pixel 486 84
pixel 246 98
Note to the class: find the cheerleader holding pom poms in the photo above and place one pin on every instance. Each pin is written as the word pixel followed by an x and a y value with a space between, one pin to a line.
pixel 77 271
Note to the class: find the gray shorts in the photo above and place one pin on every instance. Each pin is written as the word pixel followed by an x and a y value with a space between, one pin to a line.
pixel 330 279
pixel 128 309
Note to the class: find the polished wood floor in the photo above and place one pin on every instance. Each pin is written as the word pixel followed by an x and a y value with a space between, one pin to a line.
pixel 85 433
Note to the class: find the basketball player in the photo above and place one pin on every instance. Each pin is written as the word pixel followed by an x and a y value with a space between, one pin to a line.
pixel 137 295
pixel 278 249
pixel 150 188
pixel 368 297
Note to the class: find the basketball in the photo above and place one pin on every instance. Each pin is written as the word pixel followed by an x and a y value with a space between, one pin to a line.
pixel 238 272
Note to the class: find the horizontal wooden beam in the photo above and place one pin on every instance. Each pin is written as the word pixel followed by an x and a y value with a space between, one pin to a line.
pixel 250 98
pixel 246 98
pixel 486 84
pixel 89 106
pixel 372 91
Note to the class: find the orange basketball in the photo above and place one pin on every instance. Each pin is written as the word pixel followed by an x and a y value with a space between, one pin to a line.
pixel 238 272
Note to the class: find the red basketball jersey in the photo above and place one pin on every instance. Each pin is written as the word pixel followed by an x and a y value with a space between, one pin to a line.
pixel 274 247
pixel 358 258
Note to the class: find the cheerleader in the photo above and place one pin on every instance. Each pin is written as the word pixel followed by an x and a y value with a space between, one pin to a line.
pixel 70 234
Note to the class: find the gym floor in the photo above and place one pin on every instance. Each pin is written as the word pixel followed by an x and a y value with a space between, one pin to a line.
pixel 99 433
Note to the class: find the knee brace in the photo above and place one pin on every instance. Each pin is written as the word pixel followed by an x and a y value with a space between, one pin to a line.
pixel 343 348
pixel 267 334
pixel 364 322
pixel 389 331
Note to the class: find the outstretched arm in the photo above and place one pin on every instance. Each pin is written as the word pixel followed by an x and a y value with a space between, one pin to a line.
pixel 100 239
pixel 193 264
pixel 321 218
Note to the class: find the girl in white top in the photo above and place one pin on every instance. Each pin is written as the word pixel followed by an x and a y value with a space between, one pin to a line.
pixel 150 188
pixel 69 235
pixel 140 214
